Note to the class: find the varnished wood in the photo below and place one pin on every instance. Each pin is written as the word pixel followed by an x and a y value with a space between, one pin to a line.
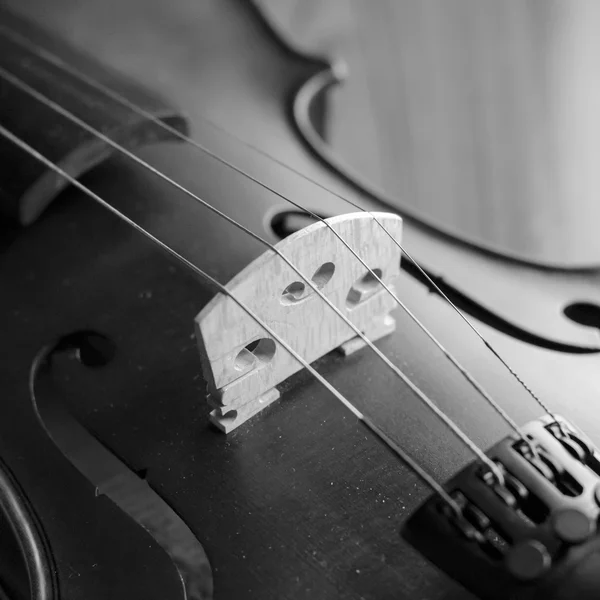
pixel 478 116
pixel 298 502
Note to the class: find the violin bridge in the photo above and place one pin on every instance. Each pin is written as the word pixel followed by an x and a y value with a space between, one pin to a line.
pixel 532 537
pixel 243 365
pixel 227 420
pixel 378 328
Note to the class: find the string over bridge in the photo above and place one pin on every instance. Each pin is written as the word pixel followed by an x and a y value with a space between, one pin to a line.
pixel 243 365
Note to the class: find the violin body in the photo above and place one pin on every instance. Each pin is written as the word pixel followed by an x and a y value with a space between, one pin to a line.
pixel 299 502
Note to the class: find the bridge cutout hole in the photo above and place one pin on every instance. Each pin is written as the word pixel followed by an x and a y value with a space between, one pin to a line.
pixel 229 417
pixel 364 288
pixel 323 274
pixel 298 291
pixel 254 353
pixel 583 313
pixel 293 293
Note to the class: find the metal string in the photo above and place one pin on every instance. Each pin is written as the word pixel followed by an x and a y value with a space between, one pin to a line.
pixel 17 82
pixel 366 421
pixel 53 59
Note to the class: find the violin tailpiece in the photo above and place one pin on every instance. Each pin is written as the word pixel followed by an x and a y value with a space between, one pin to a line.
pixel 243 365
pixel 534 536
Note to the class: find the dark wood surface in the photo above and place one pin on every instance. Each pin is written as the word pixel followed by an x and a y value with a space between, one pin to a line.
pixel 480 115
pixel 299 503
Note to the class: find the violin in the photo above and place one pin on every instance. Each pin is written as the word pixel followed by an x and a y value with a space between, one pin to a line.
pixel 234 368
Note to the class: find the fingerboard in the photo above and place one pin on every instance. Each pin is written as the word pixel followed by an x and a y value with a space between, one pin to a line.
pixel 30 58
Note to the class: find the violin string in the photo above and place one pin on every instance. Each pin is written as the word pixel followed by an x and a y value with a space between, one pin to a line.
pixel 440 414
pixel 363 419
pixel 55 60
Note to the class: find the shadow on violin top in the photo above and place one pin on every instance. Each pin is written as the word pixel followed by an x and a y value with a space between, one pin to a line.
pixel 105 471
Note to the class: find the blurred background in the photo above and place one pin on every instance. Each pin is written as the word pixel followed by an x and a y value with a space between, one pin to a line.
pixel 483 115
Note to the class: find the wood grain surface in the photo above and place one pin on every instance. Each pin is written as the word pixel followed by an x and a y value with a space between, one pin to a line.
pixel 483 115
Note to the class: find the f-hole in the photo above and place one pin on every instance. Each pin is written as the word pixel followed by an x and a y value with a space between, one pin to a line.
pixel 584 313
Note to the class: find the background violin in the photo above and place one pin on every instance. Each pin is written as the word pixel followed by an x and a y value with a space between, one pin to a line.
pixel 106 438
